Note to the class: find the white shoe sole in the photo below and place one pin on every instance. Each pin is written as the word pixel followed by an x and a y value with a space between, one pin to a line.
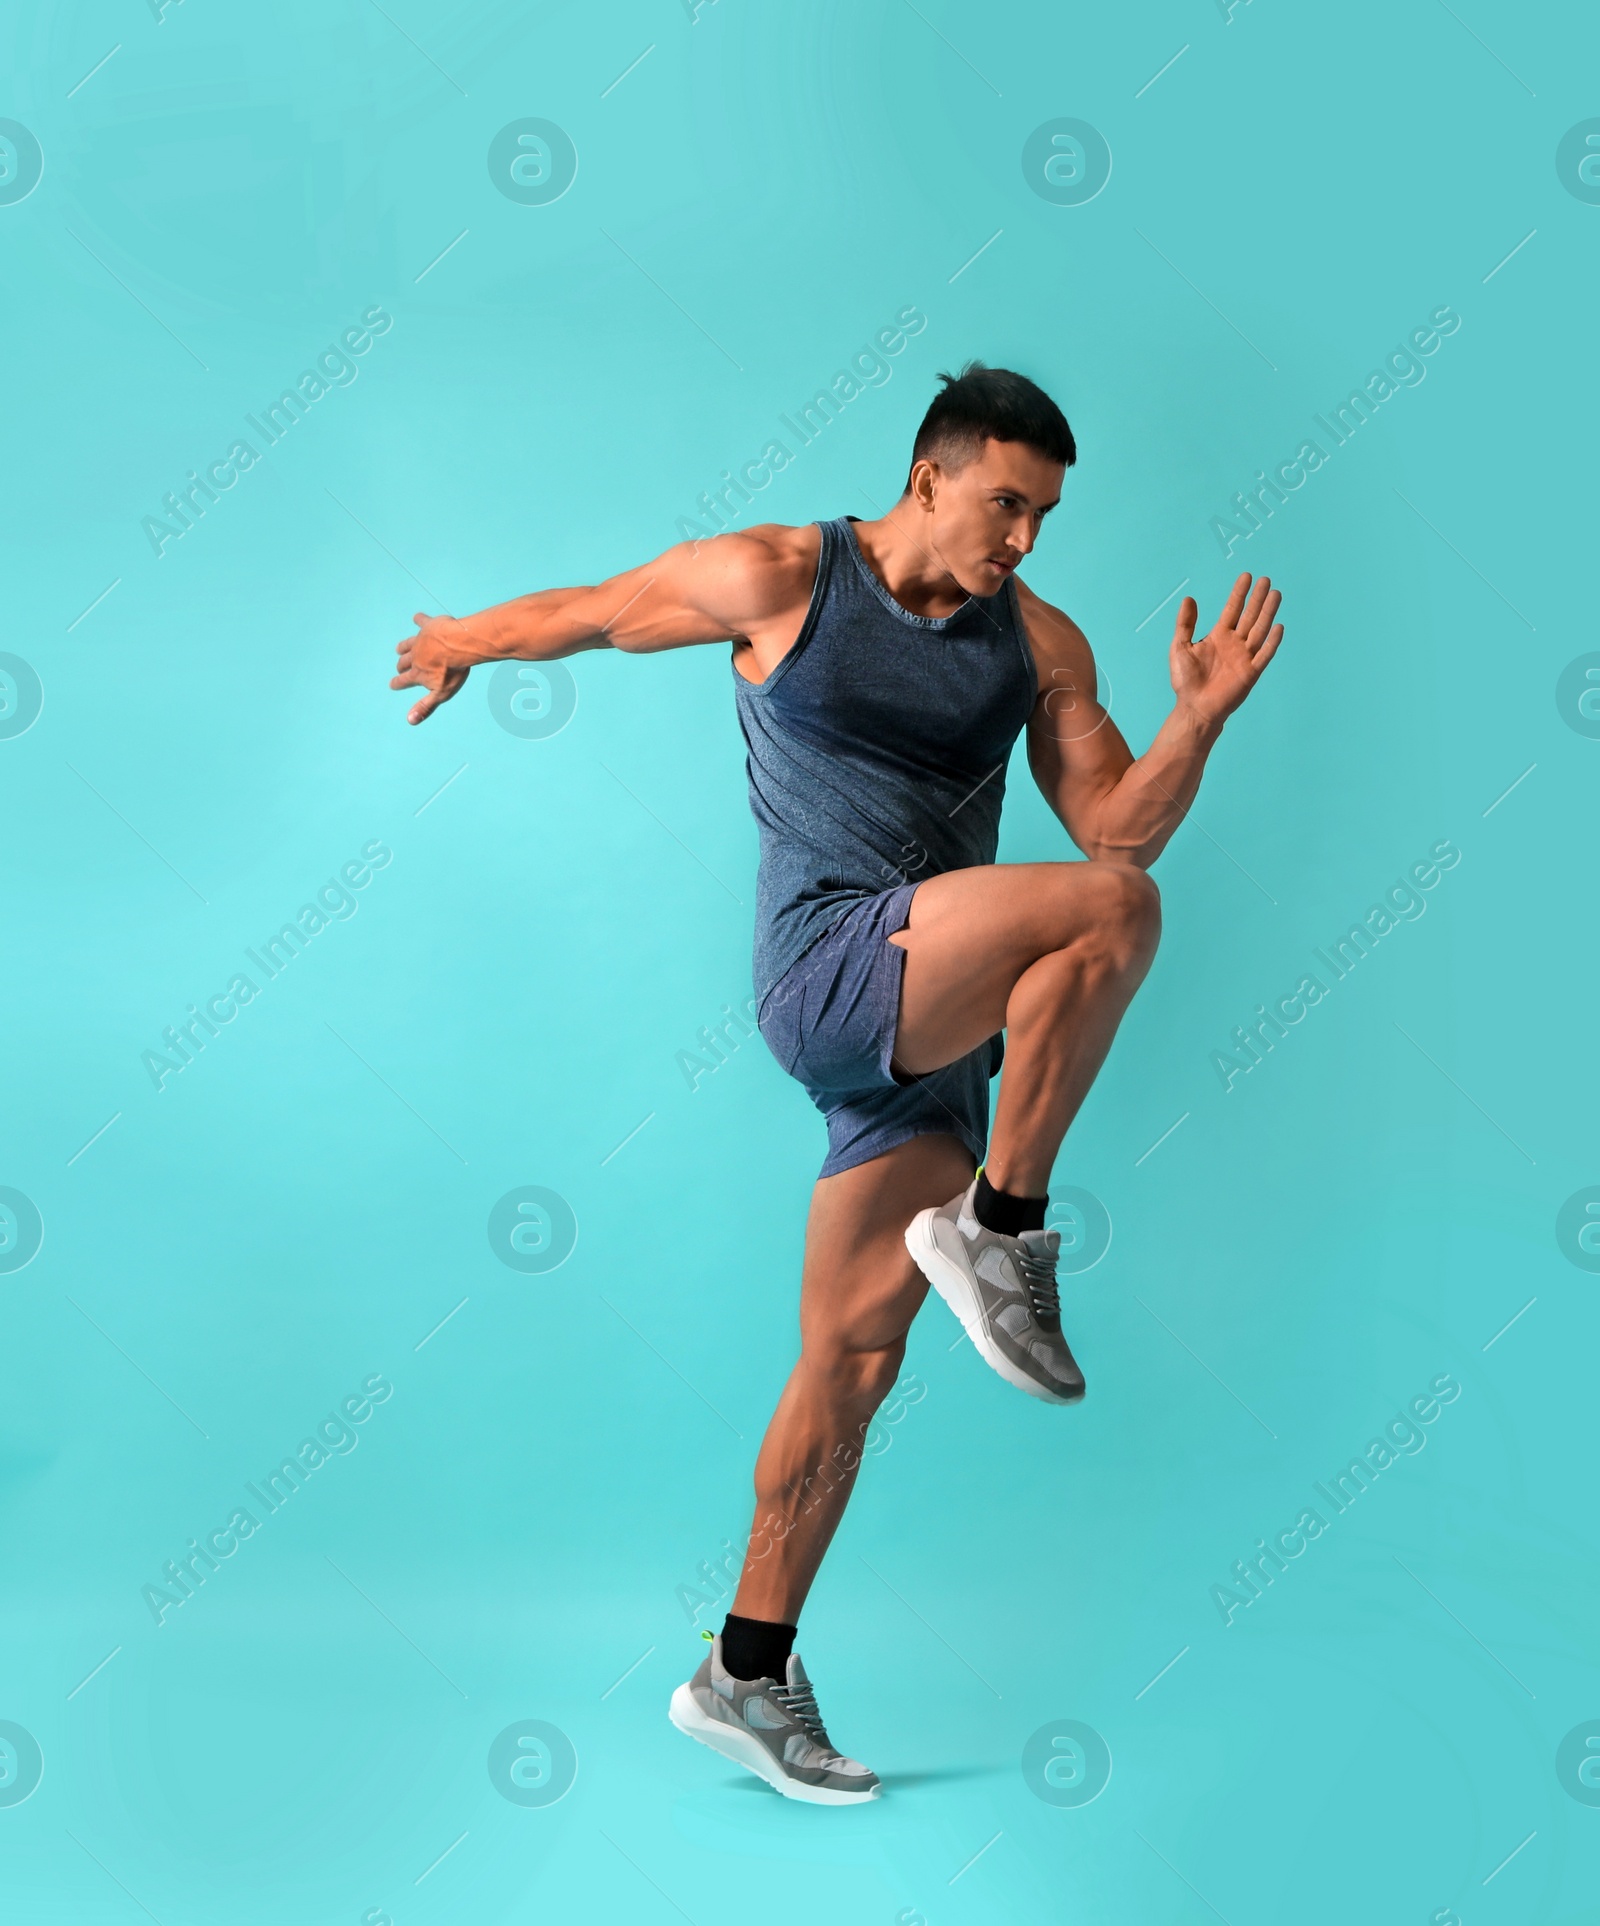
pixel 954 1284
pixel 750 1753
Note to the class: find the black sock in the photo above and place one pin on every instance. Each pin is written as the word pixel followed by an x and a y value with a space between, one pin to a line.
pixel 756 1648
pixel 998 1210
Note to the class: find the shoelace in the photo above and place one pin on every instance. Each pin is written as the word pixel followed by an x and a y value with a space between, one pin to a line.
pixel 800 1702
pixel 1039 1275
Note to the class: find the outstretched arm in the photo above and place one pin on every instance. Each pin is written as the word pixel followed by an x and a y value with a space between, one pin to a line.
pixel 697 592
pixel 1112 804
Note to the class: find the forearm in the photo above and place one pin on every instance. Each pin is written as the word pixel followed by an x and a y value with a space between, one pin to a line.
pixel 530 628
pixel 1137 815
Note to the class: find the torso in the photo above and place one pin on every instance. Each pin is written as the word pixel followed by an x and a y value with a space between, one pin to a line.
pixel 877 739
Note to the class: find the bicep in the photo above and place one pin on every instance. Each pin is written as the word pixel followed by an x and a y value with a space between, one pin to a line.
pixel 647 608
pixel 696 592
pixel 1076 752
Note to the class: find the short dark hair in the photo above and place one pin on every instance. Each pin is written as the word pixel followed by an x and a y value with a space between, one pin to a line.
pixel 982 403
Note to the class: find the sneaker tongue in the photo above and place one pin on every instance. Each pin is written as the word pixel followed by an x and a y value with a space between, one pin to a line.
pixel 797 1672
pixel 1046 1243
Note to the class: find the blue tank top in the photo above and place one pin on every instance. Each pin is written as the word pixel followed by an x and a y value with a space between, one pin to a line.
pixel 877 747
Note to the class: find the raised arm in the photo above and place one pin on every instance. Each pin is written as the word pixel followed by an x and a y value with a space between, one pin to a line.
pixel 1113 805
pixel 748 586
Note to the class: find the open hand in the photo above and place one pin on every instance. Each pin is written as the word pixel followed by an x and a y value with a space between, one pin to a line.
pixel 430 660
pixel 1213 676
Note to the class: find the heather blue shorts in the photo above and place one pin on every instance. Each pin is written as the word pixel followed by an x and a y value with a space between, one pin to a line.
pixel 830 1021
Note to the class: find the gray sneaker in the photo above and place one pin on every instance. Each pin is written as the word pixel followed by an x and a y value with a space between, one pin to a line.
pixel 772 1730
pixel 1003 1289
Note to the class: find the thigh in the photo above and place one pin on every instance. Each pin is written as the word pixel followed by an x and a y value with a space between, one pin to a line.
pixel 972 933
pixel 860 1289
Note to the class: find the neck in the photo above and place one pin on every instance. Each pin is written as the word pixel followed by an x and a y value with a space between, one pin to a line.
pixel 899 550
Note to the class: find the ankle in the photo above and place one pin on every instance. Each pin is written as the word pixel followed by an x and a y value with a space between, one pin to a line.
pixel 1005 1212
pixel 756 1648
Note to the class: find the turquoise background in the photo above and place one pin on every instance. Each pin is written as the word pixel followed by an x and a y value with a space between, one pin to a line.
pixel 300 1208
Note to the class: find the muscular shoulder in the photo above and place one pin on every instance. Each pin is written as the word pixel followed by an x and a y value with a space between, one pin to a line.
pixel 743 584
pixel 1060 648
pixel 758 572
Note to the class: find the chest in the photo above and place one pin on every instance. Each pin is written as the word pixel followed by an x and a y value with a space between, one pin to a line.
pixel 963 695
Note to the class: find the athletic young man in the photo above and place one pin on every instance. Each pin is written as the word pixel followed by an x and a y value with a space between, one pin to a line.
pixel 883 671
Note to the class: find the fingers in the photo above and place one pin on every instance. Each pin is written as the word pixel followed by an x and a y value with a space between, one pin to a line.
pixel 1269 648
pixel 1229 618
pixel 1253 606
pixel 407 675
pixel 1184 627
pixel 1263 619
pixel 452 681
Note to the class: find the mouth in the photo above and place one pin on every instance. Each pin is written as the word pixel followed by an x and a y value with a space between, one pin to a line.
pixel 1001 562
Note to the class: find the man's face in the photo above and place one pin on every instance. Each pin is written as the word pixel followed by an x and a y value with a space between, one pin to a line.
pixel 984 518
